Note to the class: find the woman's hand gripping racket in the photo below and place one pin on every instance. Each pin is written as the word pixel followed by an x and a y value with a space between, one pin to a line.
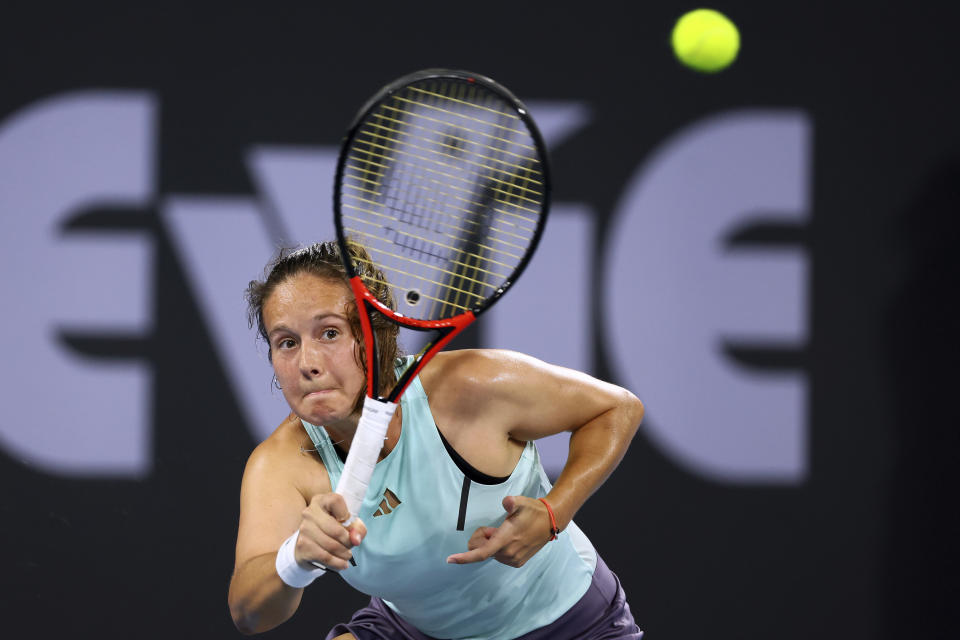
pixel 442 181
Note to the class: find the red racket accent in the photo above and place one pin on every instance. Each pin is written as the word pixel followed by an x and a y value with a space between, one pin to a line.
pixel 453 326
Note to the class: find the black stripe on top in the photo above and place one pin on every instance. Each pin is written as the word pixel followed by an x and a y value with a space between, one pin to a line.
pixel 470 474
pixel 464 497
pixel 477 476
pixel 465 467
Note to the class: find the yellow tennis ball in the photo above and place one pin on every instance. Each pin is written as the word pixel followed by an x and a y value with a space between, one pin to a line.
pixel 705 40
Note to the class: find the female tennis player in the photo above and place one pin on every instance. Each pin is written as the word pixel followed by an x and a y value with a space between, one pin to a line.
pixel 466 538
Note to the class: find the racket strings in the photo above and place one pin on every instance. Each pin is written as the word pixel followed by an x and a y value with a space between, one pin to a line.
pixel 468 104
pixel 369 181
pixel 453 141
pixel 443 187
pixel 463 286
pixel 439 187
pixel 448 204
pixel 438 228
pixel 467 294
pixel 498 110
pixel 436 204
pixel 400 127
pixel 518 139
pixel 426 278
pixel 521 138
pixel 384 149
pixel 452 205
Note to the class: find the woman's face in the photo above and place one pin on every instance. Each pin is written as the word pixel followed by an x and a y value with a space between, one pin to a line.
pixel 313 350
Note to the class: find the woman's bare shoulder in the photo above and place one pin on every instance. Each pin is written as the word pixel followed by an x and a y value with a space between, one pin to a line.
pixel 449 370
pixel 469 367
pixel 289 454
pixel 462 381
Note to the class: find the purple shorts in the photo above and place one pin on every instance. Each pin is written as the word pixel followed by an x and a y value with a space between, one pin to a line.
pixel 601 614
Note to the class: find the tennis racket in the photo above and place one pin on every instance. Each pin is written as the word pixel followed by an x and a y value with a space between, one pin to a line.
pixel 442 187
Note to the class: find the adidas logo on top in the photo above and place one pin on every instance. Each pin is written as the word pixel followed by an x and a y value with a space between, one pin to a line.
pixel 388 504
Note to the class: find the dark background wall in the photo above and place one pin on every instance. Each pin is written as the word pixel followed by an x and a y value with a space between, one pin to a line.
pixel 861 547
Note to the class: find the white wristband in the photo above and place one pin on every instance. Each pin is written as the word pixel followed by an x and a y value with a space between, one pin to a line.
pixel 288 569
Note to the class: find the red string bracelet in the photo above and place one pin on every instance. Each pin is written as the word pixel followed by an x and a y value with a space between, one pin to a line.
pixel 554 529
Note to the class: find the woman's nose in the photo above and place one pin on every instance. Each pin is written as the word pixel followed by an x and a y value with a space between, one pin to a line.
pixel 311 361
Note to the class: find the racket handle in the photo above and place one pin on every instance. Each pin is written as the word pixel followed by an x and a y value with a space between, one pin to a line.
pixel 364 452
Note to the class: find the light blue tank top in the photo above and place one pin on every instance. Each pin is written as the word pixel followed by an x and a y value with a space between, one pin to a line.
pixel 403 558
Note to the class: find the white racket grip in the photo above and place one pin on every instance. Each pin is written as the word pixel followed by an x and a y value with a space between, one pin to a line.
pixel 363 454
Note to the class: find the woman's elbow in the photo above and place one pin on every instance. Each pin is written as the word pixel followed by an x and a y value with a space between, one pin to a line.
pixel 247 616
pixel 244 618
pixel 634 410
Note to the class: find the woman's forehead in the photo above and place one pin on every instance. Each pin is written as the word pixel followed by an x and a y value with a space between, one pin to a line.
pixel 307 293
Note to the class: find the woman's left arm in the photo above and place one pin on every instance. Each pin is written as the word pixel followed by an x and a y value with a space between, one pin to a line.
pixel 530 400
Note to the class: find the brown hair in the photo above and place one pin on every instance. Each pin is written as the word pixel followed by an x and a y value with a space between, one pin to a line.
pixel 323 260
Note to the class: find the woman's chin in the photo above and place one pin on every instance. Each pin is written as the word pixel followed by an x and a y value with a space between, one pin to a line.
pixel 326 414
pixel 320 418
pixel 315 418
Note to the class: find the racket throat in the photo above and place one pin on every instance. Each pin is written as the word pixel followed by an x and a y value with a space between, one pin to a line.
pixel 445 330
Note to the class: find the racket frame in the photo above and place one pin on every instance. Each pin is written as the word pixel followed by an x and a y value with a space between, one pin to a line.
pixel 447 328
pixel 366 302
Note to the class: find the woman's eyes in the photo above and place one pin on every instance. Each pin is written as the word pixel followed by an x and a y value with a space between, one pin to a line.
pixel 326 334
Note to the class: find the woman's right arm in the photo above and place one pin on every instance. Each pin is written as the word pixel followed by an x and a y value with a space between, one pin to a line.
pixel 272 507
